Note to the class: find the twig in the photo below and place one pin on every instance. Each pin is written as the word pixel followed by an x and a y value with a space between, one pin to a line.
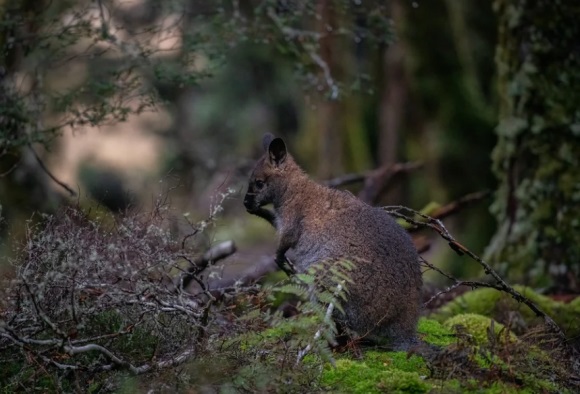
pixel 215 254
pixel 14 166
pixel 378 181
pixel 41 313
pixel 360 177
pixel 456 283
pixel 454 206
pixel 60 183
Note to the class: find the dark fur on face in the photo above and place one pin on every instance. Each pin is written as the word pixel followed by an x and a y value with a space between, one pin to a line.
pixel 265 182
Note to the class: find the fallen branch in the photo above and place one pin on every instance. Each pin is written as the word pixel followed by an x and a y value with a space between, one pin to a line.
pixel 116 362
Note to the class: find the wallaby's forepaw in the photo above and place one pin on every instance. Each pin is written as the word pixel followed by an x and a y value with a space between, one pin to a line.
pixel 285 265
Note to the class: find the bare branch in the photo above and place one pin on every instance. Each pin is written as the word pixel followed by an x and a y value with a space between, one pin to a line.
pixel 454 206
pixel 46 170
pixel 215 254
pixel 375 181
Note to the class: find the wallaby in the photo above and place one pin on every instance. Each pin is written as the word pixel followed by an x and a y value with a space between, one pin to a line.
pixel 321 224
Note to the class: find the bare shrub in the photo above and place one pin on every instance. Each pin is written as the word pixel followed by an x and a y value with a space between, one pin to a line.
pixel 92 297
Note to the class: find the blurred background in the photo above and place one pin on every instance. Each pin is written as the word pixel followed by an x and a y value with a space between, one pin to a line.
pixel 126 100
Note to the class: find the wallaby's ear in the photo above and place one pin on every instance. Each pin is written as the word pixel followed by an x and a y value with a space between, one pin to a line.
pixel 266 139
pixel 277 151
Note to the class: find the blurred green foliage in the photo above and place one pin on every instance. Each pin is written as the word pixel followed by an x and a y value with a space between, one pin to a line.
pixel 322 75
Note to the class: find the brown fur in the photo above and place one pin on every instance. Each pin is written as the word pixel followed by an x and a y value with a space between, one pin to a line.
pixel 319 223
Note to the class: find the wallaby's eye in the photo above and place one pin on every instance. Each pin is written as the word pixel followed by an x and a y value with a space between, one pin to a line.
pixel 259 184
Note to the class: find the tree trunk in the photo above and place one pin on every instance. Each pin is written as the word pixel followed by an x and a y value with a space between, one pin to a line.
pixel 394 100
pixel 537 158
pixel 330 110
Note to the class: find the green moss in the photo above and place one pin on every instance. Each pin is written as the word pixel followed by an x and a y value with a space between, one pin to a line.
pixel 537 142
pixel 568 318
pixel 372 377
pixel 478 327
pixel 433 332
pixel 489 302
pixel 396 360
pixel 499 306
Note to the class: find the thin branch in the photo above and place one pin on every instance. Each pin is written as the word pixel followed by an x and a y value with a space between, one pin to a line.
pixel 379 180
pixel 459 283
pixel 215 254
pixel 41 313
pixel 454 206
pixel 166 363
pixel 92 347
pixel 11 169
pixel 46 170
pixel 375 181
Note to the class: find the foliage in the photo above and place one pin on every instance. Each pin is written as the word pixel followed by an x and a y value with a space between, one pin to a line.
pixel 373 376
pixel 434 333
pixel 126 62
pixel 264 350
pixel 490 352
pixel 94 304
pixel 537 153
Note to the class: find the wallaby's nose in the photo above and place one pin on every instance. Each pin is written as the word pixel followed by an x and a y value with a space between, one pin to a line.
pixel 248 201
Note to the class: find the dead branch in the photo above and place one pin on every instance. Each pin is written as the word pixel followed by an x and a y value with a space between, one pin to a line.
pixel 375 181
pixel 72 350
pixel 422 243
pixel 215 254
pixel 379 180
pixel 455 206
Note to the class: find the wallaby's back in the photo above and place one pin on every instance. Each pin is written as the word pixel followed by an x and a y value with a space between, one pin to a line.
pixel 319 223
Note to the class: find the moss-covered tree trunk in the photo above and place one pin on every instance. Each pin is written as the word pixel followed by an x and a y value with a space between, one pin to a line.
pixel 537 158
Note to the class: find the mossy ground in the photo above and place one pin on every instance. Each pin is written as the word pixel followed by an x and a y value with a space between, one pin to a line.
pixel 506 310
pixel 466 353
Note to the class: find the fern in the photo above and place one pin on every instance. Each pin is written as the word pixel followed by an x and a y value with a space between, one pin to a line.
pixel 290 350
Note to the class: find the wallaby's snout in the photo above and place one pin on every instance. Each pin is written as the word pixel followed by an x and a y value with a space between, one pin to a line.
pixel 250 201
